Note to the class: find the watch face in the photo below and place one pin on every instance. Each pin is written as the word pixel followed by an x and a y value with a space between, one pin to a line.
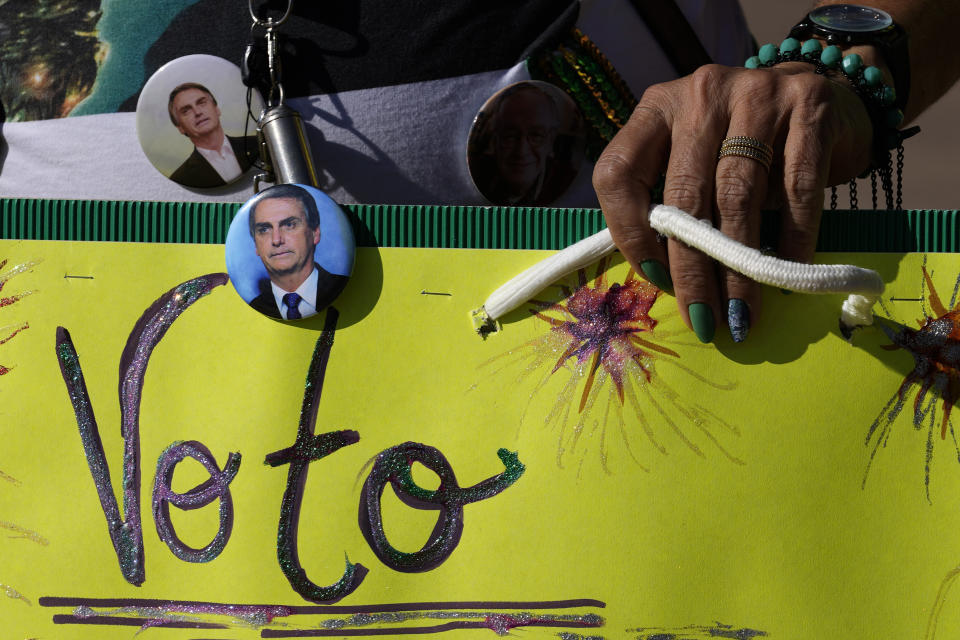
pixel 851 18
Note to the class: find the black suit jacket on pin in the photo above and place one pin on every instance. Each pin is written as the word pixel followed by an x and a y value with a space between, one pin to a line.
pixel 197 172
pixel 329 286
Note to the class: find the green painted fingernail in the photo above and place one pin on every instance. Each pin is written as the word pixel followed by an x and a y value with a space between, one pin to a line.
pixel 701 317
pixel 657 274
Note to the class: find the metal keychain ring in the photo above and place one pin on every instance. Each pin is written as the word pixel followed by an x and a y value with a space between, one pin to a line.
pixel 270 23
pixel 274 89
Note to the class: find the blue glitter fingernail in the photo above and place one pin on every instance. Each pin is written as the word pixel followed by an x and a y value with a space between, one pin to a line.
pixel 738 319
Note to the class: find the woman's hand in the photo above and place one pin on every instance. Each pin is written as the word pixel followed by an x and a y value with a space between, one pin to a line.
pixel 820 134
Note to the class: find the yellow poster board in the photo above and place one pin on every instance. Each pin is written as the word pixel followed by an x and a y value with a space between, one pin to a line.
pixel 604 474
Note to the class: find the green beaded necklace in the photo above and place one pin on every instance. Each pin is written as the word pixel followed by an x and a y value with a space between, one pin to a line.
pixel 578 67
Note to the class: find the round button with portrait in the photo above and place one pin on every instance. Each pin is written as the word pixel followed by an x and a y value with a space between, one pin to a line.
pixel 195 124
pixel 290 251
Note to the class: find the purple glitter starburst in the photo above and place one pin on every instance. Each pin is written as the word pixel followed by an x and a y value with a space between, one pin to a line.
pixel 607 323
pixel 602 332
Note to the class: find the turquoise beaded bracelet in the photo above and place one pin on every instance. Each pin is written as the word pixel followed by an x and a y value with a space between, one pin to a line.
pixel 867 82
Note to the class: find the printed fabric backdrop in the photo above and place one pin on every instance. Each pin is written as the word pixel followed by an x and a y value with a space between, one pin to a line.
pixel 175 465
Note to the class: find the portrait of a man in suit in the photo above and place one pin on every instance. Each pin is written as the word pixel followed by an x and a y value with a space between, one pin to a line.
pixel 217 158
pixel 285 226
pixel 526 146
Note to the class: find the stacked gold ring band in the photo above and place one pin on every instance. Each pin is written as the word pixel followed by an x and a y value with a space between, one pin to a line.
pixel 746 147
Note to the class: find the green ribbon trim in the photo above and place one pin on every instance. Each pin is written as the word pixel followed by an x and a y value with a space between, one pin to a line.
pixel 439 227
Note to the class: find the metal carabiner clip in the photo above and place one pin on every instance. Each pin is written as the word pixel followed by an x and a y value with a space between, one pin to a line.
pixel 269 23
pixel 283 138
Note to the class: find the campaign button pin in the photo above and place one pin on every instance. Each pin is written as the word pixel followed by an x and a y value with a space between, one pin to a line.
pixel 194 123
pixel 526 145
pixel 290 251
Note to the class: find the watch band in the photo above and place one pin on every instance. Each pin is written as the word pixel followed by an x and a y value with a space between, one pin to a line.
pixel 892 42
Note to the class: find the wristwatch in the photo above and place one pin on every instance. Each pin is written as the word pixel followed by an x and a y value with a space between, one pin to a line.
pixel 850 24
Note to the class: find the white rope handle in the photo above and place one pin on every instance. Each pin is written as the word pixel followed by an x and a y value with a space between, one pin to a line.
pixel 864 285
pixel 529 283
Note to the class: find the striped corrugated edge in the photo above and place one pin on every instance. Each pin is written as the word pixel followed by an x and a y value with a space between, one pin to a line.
pixel 422 226
pixel 115 220
pixel 472 227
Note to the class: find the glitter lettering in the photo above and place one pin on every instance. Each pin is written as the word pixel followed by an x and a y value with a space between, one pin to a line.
pixel 126 533
pixel 305 450
pixel 394 466
pixel 218 486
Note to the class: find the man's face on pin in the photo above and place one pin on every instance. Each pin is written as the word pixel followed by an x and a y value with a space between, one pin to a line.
pixel 283 238
pixel 196 113
pixel 527 125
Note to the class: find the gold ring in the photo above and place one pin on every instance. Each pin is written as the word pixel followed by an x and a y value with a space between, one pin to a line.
pixel 746 141
pixel 746 147
pixel 747 152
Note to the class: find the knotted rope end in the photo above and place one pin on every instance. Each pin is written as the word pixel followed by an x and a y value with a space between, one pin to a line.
pixel 857 311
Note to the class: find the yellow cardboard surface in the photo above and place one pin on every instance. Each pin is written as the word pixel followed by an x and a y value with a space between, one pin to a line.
pixel 725 496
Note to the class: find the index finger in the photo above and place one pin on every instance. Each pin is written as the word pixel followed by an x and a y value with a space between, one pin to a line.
pixel 623 178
